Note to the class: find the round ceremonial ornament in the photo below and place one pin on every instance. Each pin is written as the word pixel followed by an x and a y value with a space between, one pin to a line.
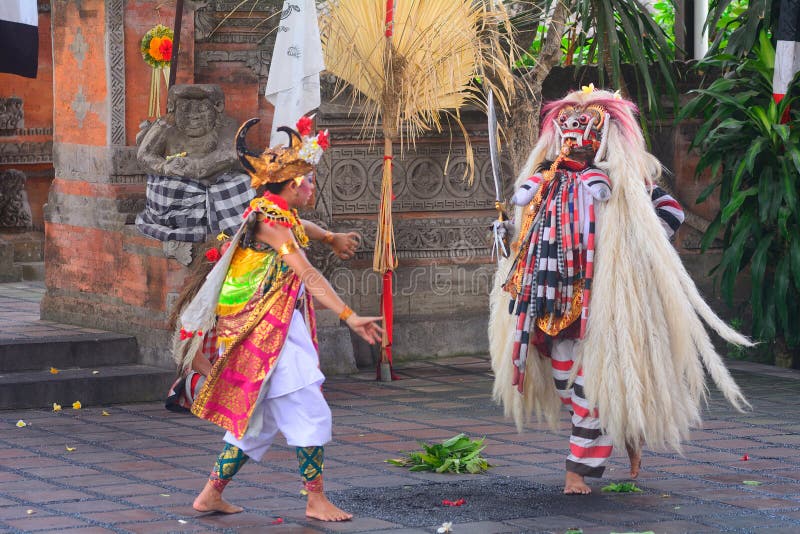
pixel 156 51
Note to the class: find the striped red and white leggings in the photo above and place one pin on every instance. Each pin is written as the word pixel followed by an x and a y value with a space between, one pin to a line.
pixel 589 448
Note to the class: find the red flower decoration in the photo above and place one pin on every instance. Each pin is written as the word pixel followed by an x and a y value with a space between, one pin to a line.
pixel 448 502
pixel 165 49
pixel 213 255
pixel 323 140
pixel 304 126
pixel 185 334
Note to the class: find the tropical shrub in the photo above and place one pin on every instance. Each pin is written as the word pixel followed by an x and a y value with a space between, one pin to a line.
pixel 754 161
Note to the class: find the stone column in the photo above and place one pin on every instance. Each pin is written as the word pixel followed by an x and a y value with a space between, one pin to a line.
pixel 100 271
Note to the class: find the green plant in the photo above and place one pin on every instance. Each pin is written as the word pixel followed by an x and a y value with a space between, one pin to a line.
pixel 456 455
pixel 737 24
pixel 754 162
pixel 609 33
pixel 622 487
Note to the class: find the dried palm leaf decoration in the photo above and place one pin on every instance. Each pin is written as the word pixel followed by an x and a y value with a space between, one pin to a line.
pixel 414 65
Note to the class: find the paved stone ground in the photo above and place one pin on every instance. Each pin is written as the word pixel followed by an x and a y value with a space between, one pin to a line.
pixel 138 468
pixel 19 315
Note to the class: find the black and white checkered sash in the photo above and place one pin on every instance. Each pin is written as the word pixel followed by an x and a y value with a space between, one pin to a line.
pixel 177 209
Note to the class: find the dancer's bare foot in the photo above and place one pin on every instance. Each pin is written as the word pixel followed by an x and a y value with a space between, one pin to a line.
pixel 635 456
pixel 210 500
pixel 574 485
pixel 319 507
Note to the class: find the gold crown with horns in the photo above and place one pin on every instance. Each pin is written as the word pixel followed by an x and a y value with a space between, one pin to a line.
pixel 280 163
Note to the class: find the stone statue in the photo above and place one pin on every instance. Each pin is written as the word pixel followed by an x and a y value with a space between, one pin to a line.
pixel 194 184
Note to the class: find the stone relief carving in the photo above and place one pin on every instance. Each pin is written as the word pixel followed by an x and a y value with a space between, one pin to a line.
pixel 15 211
pixel 115 44
pixel 11 115
pixel 454 238
pixel 19 153
pixel 180 251
pixel 349 180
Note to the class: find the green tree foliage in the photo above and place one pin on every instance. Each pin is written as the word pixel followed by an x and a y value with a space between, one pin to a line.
pixel 754 161
pixel 610 33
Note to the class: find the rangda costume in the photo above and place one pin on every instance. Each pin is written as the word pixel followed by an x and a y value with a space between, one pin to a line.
pixel 254 308
pixel 594 309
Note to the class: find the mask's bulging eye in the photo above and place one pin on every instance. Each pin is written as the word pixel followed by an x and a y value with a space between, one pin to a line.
pixel 584 118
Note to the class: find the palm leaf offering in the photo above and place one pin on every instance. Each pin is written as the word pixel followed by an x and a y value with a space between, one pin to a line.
pixel 458 454
pixel 622 487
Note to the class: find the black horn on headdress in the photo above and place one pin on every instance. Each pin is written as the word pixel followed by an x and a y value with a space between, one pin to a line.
pixel 241 145
pixel 290 132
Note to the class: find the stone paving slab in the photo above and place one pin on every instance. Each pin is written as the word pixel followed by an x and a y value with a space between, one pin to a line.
pixel 139 468
pixel 19 316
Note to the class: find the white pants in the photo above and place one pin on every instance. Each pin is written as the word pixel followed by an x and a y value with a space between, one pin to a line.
pixel 302 416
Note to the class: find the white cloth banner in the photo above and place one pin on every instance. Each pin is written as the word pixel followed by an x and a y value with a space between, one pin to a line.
pixel 293 82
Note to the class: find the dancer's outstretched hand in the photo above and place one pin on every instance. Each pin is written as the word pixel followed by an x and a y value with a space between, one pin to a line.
pixel 345 245
pixel 366 327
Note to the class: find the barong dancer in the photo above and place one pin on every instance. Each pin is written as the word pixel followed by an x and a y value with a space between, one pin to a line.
pixel 594 309
pixel 257 303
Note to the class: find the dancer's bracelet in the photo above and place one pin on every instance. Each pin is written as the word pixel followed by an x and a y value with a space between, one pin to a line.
pixel 346 313
pixel 328 238
pixel 287 248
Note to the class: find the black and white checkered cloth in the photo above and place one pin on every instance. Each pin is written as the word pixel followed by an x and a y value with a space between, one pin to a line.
pixel 177 209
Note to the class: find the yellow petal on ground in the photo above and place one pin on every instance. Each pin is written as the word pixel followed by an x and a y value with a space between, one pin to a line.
pixel 303 492
pixel 105 413
pixel 53 371
pixel 76 405
pixel 21 423
pixel 164 494
pixel 69 449
pixel 56 407
pixel 29 512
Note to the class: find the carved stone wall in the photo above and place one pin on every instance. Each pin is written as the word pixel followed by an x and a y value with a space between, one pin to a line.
pixel 15 212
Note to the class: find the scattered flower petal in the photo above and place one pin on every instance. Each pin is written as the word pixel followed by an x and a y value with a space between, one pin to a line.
pixel 277 521
pixel 56 407
pixel 53 371
pixel 446 527
pixel 105 413
pixel 95 372
pixel 69 449
pixel 751 482
pixel 182 521
pixel 29 512
pixel 21 423
pixel 744 458
pixel 448 502
pixel 303 492
pixel 76 405
pixel 164 494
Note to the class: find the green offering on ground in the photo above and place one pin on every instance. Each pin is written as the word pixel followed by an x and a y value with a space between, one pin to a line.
pixel 751 482
pixel 622 487
pixel 459 454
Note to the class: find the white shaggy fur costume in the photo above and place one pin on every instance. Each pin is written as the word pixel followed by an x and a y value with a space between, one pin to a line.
pixel 645 347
